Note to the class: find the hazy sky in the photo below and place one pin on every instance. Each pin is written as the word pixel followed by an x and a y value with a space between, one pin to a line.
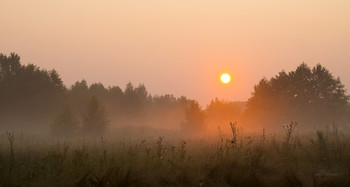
pixel 180 46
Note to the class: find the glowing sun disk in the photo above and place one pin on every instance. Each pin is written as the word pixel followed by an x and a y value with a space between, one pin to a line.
pixel 225 78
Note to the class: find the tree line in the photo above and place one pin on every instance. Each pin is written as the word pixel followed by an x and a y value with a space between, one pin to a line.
pixel 32 98
pixel 35 98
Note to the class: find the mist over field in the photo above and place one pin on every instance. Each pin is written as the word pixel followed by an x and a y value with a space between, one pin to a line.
pixel 293 130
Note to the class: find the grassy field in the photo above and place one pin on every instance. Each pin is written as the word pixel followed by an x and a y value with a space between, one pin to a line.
pixel 320 158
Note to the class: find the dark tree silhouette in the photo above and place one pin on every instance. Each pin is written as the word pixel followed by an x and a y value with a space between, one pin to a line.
pixel 194 117
pixel 28 93
pixel 95 118
pixel 78 96
pixel 98 90
pixel 312 97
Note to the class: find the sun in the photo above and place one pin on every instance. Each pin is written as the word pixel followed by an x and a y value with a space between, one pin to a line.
pixel 225 78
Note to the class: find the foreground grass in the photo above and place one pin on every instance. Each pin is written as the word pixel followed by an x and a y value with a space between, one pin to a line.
pixel 321 158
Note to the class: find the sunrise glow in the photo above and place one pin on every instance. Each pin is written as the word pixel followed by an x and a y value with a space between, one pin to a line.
pixel 225 78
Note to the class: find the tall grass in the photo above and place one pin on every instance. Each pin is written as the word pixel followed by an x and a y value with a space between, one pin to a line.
pixel 320 158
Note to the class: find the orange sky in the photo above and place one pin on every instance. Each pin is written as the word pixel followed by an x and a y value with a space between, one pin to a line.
pixel 178 47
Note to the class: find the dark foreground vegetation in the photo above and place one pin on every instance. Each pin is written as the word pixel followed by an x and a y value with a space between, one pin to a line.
pixel 320 158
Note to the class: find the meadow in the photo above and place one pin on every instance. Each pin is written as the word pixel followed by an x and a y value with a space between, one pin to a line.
pixel 319 158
